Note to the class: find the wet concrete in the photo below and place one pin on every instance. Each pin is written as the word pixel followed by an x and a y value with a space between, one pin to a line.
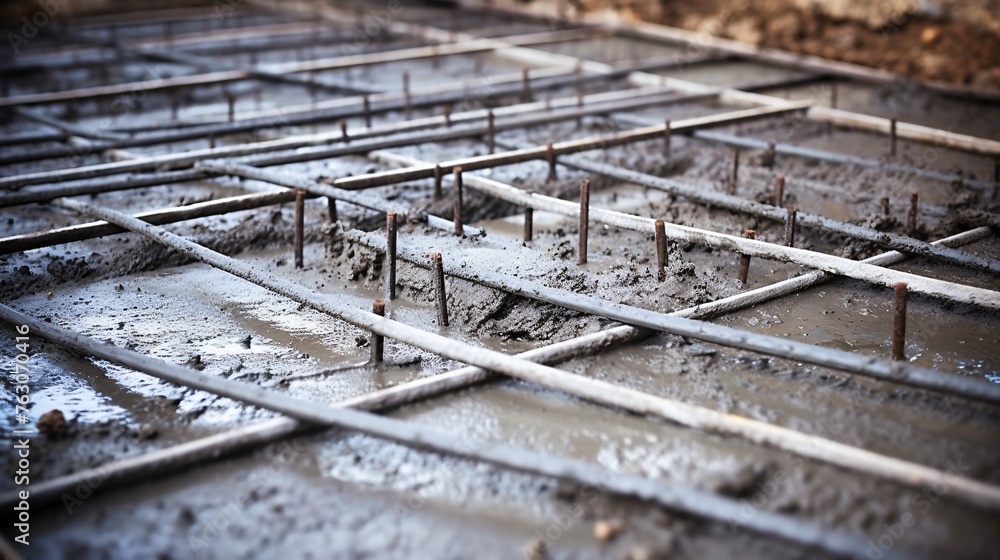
pixel 364 497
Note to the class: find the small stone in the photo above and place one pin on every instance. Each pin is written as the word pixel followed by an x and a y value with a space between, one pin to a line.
pixel 535 550
pixel 52 424
pixel 147 431
pixel 930 35
pixel 605 530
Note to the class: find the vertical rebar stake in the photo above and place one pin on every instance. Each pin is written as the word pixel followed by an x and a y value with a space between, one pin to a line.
pixel 911 216
pixel 378 342
pixel 368 110
pixel 666 139
pixel 892 136
pixel 442 299
pixel 790 227
pixel 331 206
pixel 457 205
pixel 300 203
pixel 899 324
pixel 231 99
pixel 343 132
pixel 550 155
pixel 437 181
pixel 390 255
pixel 779 190
pixel 584 219
pixel 406 92
pixel 489 131
pixel 529 216
pixel 885 206
pixel 745 259
pixel 770 155
pixel 661 251
pixel 447 116
pixel 526 85
pixel 734 181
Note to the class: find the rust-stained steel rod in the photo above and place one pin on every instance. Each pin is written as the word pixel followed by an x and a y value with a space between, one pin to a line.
pixel 854 269
pixel 769 156
pixel 92 230
pixel 661 250
pixel 457 205
pixel 738 204
pixel 911 215
pixel 745 259
pixel 661 492
pixel 550 156
pixel 437 181
pixel 790 226
pixel 231 101
pixel 300 198
pixel 814 154
pixel 892 136
pixel 390 233
pixel 442 298
pixel 528 225
pixel 406 134
pixel 490 132
pixel 408 109
pixel 335 63
pixel 584 213
pixel 378 341
pixel 667 140
pixel 974 492
pixel 331 207
pixel 735 179
pixel 779 190
pixel 366 101
pixel 899 323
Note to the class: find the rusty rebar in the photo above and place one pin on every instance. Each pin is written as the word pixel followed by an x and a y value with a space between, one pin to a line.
pixel 911 215
pixel 231 100
pixel 331 206
pixel 490 133
pixel 892 136
pixel 390 255
pixel 300 206
pixel 211 141
pixel 529 214
pixel 734 180
pixel 667 140
pixel 526 85
pixel 366 101
pixel 550 156
pixel 447 116
pixel 584 219
pixel 442 299
pixel 457 204
pixel 779 190
pixel 378 342
pixel 437 181
pixel 899 323
pixel 790 227
pixel 343 132
pixel 661 250
pixel 745 259
pixel 769 155
pixel 408 107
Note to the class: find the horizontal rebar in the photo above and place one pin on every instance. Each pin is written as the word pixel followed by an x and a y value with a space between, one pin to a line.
pixel 737 204
pixel 853 269
pixel 869 366
pixel 668 494
pixel 971 491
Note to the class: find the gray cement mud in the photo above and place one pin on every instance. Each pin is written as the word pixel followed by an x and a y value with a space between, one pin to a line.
pixel 364 497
